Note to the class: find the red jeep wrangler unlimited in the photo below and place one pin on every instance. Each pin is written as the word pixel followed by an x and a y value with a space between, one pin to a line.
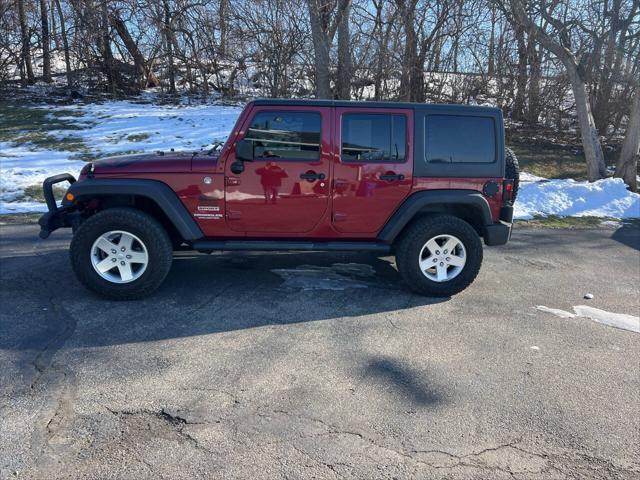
pixel 423 182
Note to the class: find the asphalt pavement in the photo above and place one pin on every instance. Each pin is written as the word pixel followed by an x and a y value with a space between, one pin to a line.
pixel 317 365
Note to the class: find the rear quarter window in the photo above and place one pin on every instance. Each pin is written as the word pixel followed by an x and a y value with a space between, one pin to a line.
pixel 460 139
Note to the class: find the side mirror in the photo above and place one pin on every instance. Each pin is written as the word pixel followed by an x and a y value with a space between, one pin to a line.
pixel 237 167
pixel 244 150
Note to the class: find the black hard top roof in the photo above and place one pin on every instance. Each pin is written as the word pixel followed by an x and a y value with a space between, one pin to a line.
pixel 345 103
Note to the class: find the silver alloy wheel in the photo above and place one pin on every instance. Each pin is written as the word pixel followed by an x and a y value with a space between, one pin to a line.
pixel 119 256
pixel 442 258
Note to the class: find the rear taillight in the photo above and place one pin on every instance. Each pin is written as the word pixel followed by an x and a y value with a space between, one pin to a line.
pixel 507 190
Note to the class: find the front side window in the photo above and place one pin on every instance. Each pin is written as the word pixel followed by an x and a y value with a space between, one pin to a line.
pixel 374 138
pixel 286 135
pixel 460 139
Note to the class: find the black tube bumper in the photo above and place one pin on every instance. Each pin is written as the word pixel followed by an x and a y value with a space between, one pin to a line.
pixel 56 217
pixel 500 233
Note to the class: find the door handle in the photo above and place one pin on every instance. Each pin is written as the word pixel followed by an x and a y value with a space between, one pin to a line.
pixel 312 176
pixel 390 177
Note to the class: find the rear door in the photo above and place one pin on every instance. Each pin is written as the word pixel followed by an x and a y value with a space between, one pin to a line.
pixel 286 188
pixel 373 167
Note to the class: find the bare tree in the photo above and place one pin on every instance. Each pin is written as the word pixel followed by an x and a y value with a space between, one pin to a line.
pixel 65 43
pixel 560 45
pixel 607 61
pixel 167 30
pixel 522 75
pixel 344 74
pixel 274 39
pixel 407 9
pixel 25 59
pixel 627 165
pixel 144 77
pixel 325 18
pixel 45 40
pixel 534 56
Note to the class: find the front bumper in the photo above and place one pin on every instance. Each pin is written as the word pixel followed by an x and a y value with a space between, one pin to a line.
pixel 500 233
pixel 56 217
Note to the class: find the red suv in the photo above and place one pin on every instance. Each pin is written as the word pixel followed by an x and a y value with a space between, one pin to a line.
pixel 423 182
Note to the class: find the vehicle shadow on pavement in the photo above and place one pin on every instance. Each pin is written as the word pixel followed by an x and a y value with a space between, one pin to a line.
pixel 204 295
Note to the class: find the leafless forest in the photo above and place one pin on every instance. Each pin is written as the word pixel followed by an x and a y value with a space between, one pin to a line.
pixel 565 65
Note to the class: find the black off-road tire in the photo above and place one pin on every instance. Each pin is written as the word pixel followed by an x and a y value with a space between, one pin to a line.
pixel 512 171
pixel 414 239
pixel 140 224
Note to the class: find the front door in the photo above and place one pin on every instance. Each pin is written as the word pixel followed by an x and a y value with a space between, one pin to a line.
pixel 286 188
pixel 374 166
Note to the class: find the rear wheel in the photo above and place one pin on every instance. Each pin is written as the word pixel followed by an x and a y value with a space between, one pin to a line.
pixel 439 255
pixel 121 253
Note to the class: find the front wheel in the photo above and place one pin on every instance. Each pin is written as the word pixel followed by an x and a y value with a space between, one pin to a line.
pixel 439 255
pixel 121 253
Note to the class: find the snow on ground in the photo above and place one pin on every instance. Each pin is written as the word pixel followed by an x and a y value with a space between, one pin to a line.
pixel 617 320
pixel 21 167
pixel 567 198
pixel 122 126
pixel 108 129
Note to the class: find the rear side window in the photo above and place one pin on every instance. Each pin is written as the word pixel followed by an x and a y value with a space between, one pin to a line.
pixel 286 135
pixel 460 139
pixel 373 138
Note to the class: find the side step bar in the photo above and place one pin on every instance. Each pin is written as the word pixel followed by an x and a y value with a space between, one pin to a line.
pixel 273 245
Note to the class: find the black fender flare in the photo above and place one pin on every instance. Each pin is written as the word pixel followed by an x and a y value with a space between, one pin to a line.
pixel 421 201
pixel 155 190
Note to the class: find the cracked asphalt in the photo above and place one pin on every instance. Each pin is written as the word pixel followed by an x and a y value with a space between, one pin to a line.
pixel 232 370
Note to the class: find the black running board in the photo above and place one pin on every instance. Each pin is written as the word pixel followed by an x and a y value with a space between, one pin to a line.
pixel 274 245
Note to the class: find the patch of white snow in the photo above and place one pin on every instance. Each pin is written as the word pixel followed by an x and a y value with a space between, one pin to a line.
pixel 555 311
pixel 608 197
pixel 108 128
pixel 617 320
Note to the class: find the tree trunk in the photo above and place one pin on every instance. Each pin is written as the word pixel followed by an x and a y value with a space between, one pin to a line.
pixel 105 45
pixel 607 72
pixel 381 54
pixel 343 83
pixel 627 164
pixel 458 21
pixel 409 56
pixel 521 79
pixel 145 78
pixel 65 44
pixel 321 51
pixel 46 56
pixel 492 43
pixel 588 131
pixel 26 43
pixel 222 15
pixel 169 47
pixel 535 76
